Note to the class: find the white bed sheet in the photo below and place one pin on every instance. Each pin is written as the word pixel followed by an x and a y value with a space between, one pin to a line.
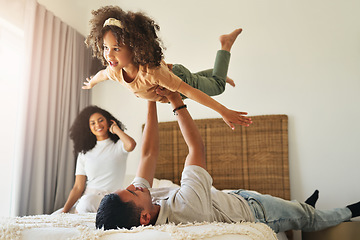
pixel 82 226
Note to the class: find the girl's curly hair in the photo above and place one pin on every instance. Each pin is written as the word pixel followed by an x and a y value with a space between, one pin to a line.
pixel 80 131
pixel 139 33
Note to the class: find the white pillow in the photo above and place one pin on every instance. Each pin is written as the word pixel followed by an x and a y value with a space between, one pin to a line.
pixel 163 183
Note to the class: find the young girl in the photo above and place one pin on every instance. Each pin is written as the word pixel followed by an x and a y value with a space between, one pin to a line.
pixel 128 45
pixel 102 147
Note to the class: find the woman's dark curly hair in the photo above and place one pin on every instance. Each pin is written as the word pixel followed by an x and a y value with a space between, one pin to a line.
pixel 84 140
pixel 139 33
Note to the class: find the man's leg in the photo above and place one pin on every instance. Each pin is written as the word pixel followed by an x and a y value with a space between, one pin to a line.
pixel 313 198
pixel 282 215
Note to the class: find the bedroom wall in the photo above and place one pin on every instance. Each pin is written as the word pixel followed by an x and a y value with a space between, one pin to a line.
pixel 300 58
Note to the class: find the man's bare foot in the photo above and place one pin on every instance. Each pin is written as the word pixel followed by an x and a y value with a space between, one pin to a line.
pixel 227 40
pixel 230 81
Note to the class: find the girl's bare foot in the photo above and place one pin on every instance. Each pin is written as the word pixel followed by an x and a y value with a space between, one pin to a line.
pixel 227 40
pixel 230 81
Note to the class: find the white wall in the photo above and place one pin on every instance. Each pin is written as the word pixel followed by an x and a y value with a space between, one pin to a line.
pixel 300 58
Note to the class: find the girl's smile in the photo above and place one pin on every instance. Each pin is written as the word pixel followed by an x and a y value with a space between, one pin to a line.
pixel 113 64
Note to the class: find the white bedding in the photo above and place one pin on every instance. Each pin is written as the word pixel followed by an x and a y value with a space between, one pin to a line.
pixel 82 226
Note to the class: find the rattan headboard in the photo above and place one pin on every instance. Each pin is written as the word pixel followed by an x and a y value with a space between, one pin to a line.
pixel 254 158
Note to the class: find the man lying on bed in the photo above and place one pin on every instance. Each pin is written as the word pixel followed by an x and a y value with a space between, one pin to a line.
pixel 195 200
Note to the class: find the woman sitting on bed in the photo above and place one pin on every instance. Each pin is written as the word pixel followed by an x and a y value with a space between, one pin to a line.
pixel 102 147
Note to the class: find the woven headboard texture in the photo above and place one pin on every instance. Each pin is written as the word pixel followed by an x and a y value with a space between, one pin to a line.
pixel 253 158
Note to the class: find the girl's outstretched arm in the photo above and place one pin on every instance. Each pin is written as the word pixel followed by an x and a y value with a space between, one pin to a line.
pixel 230 117
pixel 92 81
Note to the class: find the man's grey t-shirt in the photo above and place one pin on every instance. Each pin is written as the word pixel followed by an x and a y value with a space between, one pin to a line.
pixel 197 201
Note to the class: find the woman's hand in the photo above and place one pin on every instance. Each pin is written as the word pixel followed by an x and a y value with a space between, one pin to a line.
pixel 129 142
pixel 111 128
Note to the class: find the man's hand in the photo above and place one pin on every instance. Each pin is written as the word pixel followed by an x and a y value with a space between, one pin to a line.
pixel 164 92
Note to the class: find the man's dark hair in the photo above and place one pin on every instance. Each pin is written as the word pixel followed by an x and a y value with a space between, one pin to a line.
pixel 113 213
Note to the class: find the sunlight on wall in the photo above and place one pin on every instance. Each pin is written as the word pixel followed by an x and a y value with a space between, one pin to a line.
pixel 12 68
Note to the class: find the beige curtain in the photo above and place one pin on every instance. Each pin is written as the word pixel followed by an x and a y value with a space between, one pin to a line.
pixel 58 63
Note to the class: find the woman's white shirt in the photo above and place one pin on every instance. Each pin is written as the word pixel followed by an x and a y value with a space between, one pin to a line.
pixel 104 165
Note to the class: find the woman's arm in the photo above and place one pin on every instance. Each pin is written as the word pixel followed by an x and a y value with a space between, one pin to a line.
pixel 230 116
pixel 92 81
pixel 129 142
pixel 75 193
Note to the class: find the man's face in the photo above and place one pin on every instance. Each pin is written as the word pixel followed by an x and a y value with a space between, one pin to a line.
pixel 140 196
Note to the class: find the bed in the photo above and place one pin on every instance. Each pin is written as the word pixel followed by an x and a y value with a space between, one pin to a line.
pixel 254 158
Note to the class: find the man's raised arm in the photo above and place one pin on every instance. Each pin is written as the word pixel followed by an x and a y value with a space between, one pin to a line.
pixel 189 131
pixel 150 145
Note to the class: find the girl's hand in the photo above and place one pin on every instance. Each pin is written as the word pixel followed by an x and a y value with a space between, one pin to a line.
pixel 87 84
pixel 111 128
pixel 231 117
